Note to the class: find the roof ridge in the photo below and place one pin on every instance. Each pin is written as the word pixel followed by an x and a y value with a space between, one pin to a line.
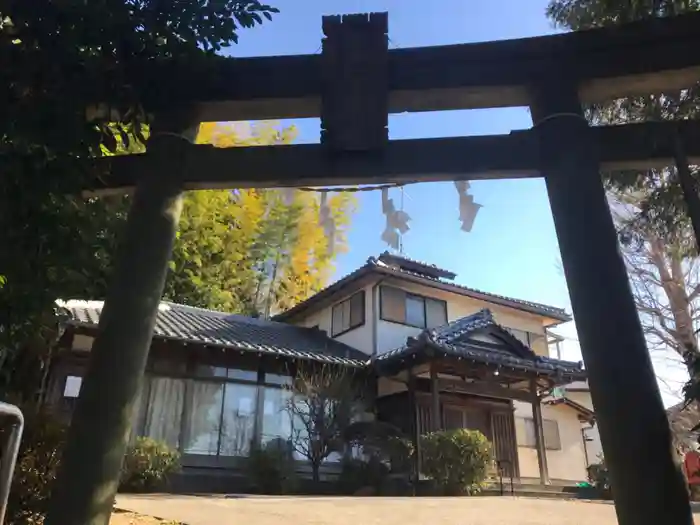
pixel 374 264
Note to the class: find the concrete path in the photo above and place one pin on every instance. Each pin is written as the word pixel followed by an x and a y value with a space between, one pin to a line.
pixel 269 510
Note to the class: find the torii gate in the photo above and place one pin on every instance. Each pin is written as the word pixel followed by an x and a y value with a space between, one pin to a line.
pixel 352 86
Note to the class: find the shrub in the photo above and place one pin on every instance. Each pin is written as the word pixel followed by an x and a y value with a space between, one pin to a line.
pixel 358 474
pixel 271 468
pixel 147 465
pixel 36 467
pixel 599 477
pixel 382 441
pixel 456 460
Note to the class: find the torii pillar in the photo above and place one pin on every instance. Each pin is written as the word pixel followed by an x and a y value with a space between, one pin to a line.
pixel 647 483
pixel 88 478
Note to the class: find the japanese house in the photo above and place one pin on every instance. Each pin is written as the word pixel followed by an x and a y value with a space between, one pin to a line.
pixel 440 355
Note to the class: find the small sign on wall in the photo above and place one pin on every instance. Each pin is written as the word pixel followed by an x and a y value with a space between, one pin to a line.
pixel 72 388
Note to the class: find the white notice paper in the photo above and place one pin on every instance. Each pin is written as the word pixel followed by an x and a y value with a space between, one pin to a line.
pixel 72 388
pixel 269 408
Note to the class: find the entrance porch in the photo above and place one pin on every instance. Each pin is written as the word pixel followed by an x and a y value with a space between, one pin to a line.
pixel 472 373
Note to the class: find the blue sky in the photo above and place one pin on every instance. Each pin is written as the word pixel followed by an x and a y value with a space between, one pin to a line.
pixel 512 249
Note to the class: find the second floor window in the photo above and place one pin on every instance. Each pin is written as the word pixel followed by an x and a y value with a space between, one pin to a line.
pixel 349 314
pixel 402 307
pixel 527 338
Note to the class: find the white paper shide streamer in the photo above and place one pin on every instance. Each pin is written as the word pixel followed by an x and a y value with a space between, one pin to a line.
pixel 467 207
pixel 396 221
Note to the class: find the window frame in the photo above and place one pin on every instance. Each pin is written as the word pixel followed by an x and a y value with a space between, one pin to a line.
pixel 530 337
pixel 348 301
pixel 423 298
pixel 547 446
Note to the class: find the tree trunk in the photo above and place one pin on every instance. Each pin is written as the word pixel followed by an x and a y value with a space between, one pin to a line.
pixel 675 289
pixel 88 479
pixel 315 473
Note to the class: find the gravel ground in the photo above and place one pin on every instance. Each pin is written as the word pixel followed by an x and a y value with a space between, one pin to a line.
pixel 130 518
pixel 260 510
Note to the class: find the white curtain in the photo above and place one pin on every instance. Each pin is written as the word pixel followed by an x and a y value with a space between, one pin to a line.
pixel 238 419
pixel 204 419
pixel 163 417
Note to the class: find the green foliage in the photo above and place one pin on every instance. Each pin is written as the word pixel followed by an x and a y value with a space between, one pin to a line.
pixel 381 441
pixel 599 476
pixel 457 460
pixel 147 465
pixel 662 207
pixel 358 474
pixel 585 14
pixel 82 80
pixel 253 251
pixel 272 469
pixel 36 468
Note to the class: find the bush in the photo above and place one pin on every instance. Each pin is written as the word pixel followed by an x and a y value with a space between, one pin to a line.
pixel 147 465
pixel 456 460
pixel 36 467
pixel 358 474
pixel 271 468
pixel 382 441
pixel 599 477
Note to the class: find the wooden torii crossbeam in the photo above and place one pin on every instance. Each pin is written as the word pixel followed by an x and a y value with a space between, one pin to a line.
pixel 632 146
pixel 607 63
pixel 352 86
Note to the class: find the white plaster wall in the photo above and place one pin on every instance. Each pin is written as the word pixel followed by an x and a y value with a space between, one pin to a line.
pixel 392 335
pixel 582 398
pixel 360 337
pixel 568 463
pixel 594 447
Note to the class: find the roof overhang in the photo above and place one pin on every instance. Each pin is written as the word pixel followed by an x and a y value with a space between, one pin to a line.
pixel 471 360
pixel 358 278
pixel 584 414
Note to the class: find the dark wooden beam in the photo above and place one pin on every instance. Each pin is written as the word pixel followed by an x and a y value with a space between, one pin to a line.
pixel 487 389
pixel 634 59
pixel 435 412
pixel 633 146
pixel 538 423
pixel 414 428
pixel 619 368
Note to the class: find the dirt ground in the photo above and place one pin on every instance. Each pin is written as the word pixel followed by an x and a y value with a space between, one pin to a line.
pixel 120 517
pixel 261 510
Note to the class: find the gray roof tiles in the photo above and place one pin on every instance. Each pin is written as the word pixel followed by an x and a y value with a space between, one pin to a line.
pixel 452 339
pixel 377 265
pixel 197 325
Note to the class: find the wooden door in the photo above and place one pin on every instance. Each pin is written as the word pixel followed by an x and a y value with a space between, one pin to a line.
pixel 477 418
pixel 504 444
pixel 453 417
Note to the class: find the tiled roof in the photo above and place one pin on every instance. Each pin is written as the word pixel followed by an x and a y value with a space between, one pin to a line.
pixel 451 339
pixel 584 412
pixel 374 264
pixel 420 267
pixel 197 325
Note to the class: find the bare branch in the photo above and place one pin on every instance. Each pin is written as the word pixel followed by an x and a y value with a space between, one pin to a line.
pixel 324 401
